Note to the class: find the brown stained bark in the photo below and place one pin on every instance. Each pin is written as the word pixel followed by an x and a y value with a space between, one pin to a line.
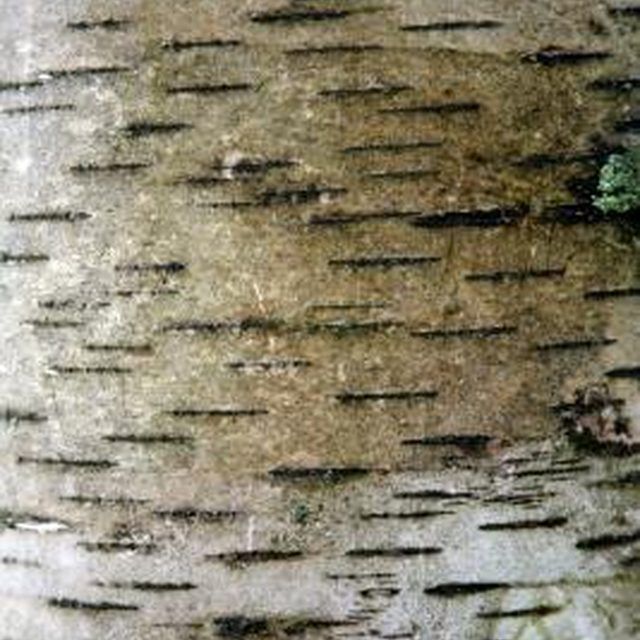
pixel 296 295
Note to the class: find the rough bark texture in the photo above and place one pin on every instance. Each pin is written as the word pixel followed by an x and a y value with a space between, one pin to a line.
pixel 294 298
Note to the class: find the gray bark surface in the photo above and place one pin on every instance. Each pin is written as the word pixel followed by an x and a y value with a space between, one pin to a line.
pixel 294 297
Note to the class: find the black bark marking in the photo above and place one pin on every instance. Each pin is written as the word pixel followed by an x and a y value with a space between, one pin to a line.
pixel 608 540
pixel 107 24
pixel 470 333
pixel 20 85
pixel 570 345
pixel 150 439
pixel 293 16
pixel 340 328
pixel 80 72
pixel 328 475
pixel 525 612
pixel 454 589
pixel 157 267
pixel 383 262
pixel 334 49
pixel 342 219
pixel 405 515
pixel 229 204
pixel 433 494
pixel 22 258
pixel 130 293
pixel 630 373
pixel 556 56
pixel 97 371
pixel 375 575
pixel 214 43
pixel 454 25
pixel 515 276
pixel 571 469
pixel 268 365
pixel 47 323
pixel 241 626
pixel 142 349
pixel 38 108
pixel 86 463
pixel 211 89
pixel 20 562
pixel 144 129
pixel 608 294
pixel 520 499
pixel 491 217
pixel 9 414
pixel 391 147
pixel 191 515
pixel 118 546
pixel 397 552
pixel 255 166
pixel 465 441
pixel 100 501
pixel 154 587
pixel 530 523
pixel 234 326
pixel 625 11
pixel 356 397
pixel 218 412
pixel 50 216
pixel 113 167
pixel 82 605
pixel 441 109
pixel 71 303
pixel 239 558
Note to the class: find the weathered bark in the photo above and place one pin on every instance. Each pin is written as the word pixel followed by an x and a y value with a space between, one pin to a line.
pixel 294 296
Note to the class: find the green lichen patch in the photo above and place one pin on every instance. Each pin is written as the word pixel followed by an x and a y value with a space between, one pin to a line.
pixel 619 184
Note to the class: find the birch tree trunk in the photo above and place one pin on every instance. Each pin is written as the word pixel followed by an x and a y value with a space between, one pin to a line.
pixel 295 295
